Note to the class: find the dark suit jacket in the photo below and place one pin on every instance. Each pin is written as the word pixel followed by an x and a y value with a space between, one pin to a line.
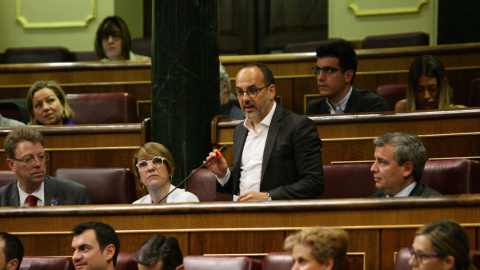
pixel 65 192
pixel 419 190
pixel 359 101
pixel 292 161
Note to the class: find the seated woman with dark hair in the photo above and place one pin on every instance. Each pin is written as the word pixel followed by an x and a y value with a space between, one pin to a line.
pixel 160 253
pixel 441 245
pixel 47 104
pixel 427 87
pixel 318 248
pixel 113 41
pixel 154 166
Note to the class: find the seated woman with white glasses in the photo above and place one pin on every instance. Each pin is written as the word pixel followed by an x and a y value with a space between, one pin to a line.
pixel 154 167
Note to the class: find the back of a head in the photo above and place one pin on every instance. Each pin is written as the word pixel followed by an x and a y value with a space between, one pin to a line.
pixel 448 238
pixel 159 247
pixel 325 243
pixel 104 233
pixel 13 248
pixel 347 58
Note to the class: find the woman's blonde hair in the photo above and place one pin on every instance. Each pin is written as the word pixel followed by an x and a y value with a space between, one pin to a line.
pixel 429 66
pixel 325 243
pixel 52 85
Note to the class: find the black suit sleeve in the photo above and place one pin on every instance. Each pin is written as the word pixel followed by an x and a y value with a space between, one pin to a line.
pixel 307 162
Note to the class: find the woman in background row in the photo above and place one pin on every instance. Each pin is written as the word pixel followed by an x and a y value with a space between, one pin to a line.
pixel 428 87
pixel 160 253
pixel 47 104
pixel 113 41
pixel 318 248
pixel 154 166
pixel 441 245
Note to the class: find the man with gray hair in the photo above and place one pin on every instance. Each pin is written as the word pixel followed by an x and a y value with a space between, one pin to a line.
pixel 398 167
pixel 227 107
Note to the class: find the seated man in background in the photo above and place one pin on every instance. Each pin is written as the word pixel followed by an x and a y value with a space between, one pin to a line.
pixel 335 71
pixel 276 153
pixel 11 251
pixel 95 245
pixel 227 107
pixel 160 253
pixel 441 245
pixel 318 248
pixel 26 157
pixel 398 167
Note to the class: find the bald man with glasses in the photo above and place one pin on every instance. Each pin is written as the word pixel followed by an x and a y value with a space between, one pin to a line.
pixel 26 157
pixel 276 153
pixel 335 70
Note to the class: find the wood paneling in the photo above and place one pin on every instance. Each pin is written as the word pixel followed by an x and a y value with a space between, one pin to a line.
pixel 349 137
pixel 377 227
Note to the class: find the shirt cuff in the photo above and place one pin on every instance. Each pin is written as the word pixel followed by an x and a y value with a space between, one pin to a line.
pixel 222 181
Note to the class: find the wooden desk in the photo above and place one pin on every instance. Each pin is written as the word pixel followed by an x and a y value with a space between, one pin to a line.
pixel 292 71
pixel 349 137
pixel 377 227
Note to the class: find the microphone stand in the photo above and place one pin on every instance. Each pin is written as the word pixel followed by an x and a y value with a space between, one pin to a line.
pixel 219 152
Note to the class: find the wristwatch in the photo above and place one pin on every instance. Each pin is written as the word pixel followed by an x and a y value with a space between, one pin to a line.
pixel 269 198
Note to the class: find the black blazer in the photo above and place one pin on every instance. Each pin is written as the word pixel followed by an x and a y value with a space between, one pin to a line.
pixel 419 190
pixel 65 192
pixel 292 161
pixel 359 101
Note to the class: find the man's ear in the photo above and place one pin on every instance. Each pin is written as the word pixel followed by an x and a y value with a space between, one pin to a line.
pixel 10 164
pixel 450 262
pixel 348 76
pixel 329 263
pixel 109 251
pixel 13 264
pixel 180 267
pixel 272 91
pixel 408 169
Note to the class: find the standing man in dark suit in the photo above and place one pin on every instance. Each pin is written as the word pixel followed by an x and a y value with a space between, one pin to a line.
pixel 27 157
pixel 335 71
pixel 398 168
pixel 276 153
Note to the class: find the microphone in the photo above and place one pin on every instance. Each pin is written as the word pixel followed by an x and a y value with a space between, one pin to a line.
pixel 219 154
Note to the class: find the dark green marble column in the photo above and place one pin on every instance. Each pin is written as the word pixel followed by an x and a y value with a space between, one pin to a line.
pixel 185 80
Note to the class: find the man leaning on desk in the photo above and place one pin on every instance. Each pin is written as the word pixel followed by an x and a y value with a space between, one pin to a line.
pixel 26 157
pixel 276 153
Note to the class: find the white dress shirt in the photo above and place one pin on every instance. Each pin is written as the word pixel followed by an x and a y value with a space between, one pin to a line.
pixel 39 193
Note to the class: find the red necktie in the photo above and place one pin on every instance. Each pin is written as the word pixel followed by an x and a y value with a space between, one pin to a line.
pixel 32 200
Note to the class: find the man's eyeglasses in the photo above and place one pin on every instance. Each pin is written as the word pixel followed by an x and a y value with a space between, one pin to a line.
pixel 252 92
pixel 29 160
pixel 116 36
pixel 419 256
pixel 157 162
pixel 325 70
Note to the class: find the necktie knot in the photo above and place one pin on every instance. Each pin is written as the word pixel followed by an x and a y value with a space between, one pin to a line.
pixel 32 200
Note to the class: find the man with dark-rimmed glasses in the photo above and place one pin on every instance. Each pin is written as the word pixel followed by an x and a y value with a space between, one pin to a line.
pixel 26 157
pixel 335 70
pixel 276 153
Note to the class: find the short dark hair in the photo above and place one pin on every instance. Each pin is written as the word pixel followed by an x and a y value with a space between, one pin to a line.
pixel 104 233
pixel 347 58
pixel 408 147
pixel 13 248
pixel 19 135
pixel 106 28
pixel 159 247
pixel 267 73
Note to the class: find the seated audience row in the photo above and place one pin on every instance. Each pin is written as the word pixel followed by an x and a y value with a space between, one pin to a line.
pixel 443 244
pixel 335 70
